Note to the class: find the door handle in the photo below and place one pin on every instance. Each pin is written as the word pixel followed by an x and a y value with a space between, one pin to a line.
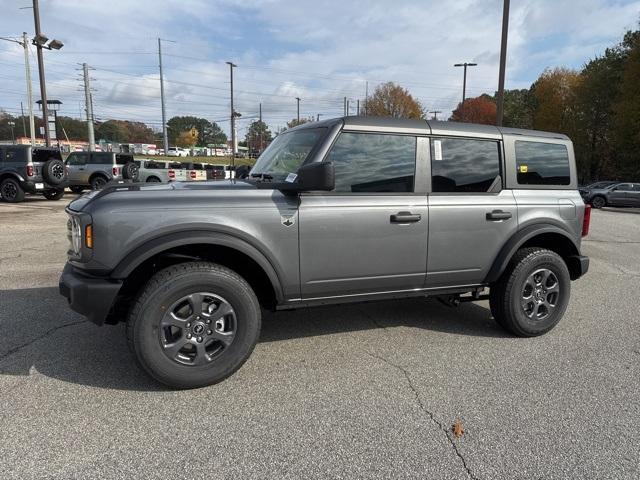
pixel 498 215
pixel 405 217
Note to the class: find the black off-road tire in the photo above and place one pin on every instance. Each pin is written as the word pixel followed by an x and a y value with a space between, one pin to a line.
pixel 598 201
pixel 130 171
pixel 53 194
pixel 11 191
pixel 153 180
pixel 98 182
pixel 76 189
pixel 506 295
pixel 54 171
pixel 144 331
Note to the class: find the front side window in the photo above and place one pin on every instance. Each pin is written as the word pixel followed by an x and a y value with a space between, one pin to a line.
pixel 464 165
pixel 540 163
pixel 367 162
pixel 623 187
pixel 287 153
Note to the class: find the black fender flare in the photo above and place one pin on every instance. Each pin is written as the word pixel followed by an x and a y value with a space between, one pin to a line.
pixel 520 238
pixel 178 239
pixel 11 174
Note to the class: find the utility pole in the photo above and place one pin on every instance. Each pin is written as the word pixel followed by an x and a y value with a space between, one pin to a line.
pixel 298 117
pixel 165 138
pixel 233 119
pixel 27 72
pixel 43 88
pixel 503 62
pixel 260 112
pixel 435 113
pixel 89 107
pixel 12 124
pixel 348 109
pixel 358 107
pixel 464 82
pixel 366 98
pixel 345 106
pixel 24 124
pixel 318 117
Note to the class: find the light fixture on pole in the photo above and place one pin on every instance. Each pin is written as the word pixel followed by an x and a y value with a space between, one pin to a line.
pixel 464 82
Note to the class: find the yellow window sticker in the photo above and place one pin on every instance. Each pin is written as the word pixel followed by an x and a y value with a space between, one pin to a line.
pixel 523 169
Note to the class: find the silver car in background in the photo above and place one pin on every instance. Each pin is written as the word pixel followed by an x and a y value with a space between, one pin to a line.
pixel 95 169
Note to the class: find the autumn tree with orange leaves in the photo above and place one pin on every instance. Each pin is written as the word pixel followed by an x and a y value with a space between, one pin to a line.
pixel 476 110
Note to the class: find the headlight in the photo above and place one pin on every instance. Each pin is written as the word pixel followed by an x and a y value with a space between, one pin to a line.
pixel 75 235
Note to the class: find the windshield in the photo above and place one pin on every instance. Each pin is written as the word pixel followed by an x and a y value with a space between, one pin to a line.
pixel 287 153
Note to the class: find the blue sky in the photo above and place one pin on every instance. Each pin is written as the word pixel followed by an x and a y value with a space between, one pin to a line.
pixel 320 51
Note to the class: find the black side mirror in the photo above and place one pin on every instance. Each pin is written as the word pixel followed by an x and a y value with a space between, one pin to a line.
pixel 316 176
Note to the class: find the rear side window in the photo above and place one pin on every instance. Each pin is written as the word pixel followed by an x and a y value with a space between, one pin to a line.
pixel 367 162
pixel 42 155
pixel 123 159
pixel 100 158
pixel 77 159
pixel 540 163
pixel 464 165
pixel 16 155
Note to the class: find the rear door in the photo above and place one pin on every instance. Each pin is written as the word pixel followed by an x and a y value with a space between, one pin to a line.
pixel 635 195
pixel 471 216
pixel 369 235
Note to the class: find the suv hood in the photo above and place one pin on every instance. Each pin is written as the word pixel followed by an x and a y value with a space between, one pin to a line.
pixel 154 189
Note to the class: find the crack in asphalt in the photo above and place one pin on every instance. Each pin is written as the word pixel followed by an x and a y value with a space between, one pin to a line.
pixel 430 414
pixel 419 401
pixel 32 341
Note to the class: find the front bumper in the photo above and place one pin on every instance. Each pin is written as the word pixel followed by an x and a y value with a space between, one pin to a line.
pixel 90 296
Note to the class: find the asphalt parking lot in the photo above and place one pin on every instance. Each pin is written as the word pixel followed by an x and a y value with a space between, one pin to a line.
pixel 358 391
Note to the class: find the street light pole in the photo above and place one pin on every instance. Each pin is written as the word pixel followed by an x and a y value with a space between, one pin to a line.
pixel 89 109
pixel 503 62
pixel 165 138
pixel 464 83
pixel 43 88
pixel 11 125
pixel 27 71
pixel 298 117
pixel 233 117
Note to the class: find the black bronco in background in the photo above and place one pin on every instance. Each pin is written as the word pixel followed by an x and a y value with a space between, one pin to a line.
pixel 26 169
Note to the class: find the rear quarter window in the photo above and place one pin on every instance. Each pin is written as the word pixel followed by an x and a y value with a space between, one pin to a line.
pixel 541 163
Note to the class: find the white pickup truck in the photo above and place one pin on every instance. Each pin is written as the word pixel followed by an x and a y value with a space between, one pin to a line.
pixel 160 172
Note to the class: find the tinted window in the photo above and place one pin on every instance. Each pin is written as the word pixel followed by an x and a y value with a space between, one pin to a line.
pixel 77 158
pixel 42 155
pixel 366 162
pixel 16 155
pixel 123 159
pixel 623 187
pixel 463 165
pixel 539 163
pixel 100 158
pixel 636 187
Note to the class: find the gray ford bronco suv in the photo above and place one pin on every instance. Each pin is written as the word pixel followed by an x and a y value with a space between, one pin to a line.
pixel 343 210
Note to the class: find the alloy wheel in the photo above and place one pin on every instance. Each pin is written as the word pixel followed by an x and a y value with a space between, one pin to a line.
pixel 540 294
pixel 197 328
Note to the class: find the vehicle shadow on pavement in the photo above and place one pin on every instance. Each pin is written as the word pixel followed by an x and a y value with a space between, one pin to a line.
pixel 41 335
pixel 633 210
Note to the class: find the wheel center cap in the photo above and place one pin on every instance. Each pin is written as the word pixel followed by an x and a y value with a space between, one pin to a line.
pixel 198 328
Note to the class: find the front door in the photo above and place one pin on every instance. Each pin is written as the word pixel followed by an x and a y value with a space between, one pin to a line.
pixel 370 234
pixel 621 195
pixel 77 163
pixel 470 216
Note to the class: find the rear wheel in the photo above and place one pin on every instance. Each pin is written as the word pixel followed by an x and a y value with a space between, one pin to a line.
pixel 194 324
pixel 98 182
pixel 532 294
pixel 76 189
pixel 598 202
pixel 153 180
pixel 53 194
pixel 130 171
pixel 11 191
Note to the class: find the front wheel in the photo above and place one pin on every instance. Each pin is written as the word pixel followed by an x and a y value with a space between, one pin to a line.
pixel 532 294
pixel 194 324
pixel 98 182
